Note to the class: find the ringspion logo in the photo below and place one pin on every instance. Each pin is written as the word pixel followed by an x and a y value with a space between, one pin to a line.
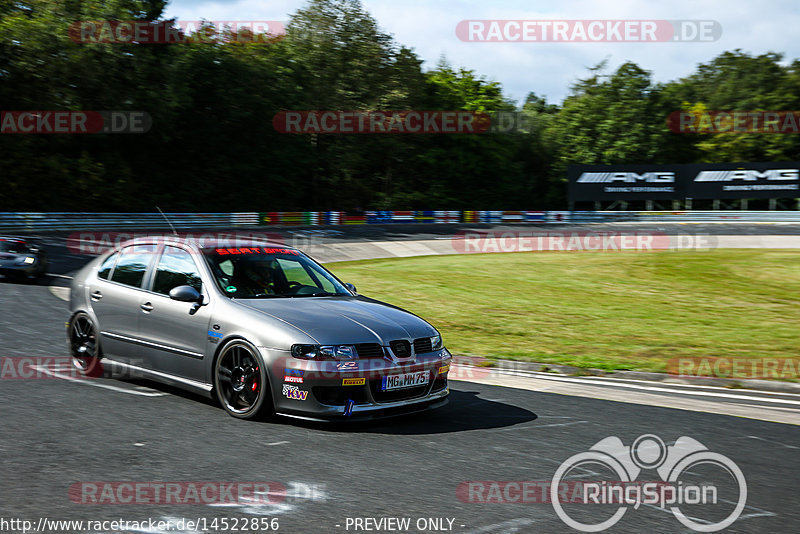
pixel 672 464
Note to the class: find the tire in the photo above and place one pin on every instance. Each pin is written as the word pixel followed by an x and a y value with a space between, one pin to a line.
pixel 242 382
pixel 84 347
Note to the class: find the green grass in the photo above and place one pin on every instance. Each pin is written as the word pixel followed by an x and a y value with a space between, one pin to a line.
pixel 604 310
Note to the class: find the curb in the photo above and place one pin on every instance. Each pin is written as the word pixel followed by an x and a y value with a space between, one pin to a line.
pixel 749 383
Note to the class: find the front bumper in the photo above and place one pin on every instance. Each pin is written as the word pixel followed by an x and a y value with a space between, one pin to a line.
pixel 19 269
pixel 330 390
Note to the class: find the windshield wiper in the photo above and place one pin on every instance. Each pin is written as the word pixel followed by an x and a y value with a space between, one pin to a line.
pixel 320 294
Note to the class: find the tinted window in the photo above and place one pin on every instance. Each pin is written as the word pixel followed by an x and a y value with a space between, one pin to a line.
pixel 176 268
pixel 105 268
pixel 266 271
pixel 298 273
pixel 132 264
pixel 13 247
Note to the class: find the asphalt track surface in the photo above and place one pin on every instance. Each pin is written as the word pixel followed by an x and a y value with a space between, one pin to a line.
pixel 58 432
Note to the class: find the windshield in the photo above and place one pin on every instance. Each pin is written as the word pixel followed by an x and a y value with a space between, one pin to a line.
pixel 264 272
pixel 13 247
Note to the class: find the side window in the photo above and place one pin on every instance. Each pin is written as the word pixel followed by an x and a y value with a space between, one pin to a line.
pixel 105 268
pixel 176 268
pixel 132 264
pixel 226 267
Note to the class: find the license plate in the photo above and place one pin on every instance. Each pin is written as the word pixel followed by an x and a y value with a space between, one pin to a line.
pixel 407 380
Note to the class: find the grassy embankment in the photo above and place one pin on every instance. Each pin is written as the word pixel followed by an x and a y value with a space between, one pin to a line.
pixel 602 310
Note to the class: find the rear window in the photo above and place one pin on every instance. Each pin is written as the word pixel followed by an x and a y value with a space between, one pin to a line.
pixel 105 268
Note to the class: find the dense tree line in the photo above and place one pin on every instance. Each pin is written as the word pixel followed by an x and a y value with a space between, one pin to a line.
pixel 213 147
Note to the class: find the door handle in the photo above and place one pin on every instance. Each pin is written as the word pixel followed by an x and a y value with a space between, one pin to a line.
pixel 97 295
pixel 147 307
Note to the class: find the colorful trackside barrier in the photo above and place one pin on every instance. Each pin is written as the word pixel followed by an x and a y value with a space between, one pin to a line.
pixel 325 218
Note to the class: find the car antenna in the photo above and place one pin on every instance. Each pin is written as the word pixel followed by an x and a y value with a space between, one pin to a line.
pixel 169 223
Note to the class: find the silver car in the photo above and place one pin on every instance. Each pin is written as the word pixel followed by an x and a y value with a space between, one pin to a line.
pixel 263 327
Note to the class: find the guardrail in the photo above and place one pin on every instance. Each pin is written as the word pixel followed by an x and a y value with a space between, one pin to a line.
pixel 44 221
pixel 715 216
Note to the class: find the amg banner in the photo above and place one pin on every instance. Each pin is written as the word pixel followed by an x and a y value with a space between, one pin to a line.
pixel 623 182
pixel 676 182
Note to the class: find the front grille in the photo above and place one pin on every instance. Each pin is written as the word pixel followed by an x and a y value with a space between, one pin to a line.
pixel 398 394
pixel 423 345
pixel 401 348
pixel 368 351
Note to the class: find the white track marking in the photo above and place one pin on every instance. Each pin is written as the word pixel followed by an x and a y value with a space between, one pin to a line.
pixel 506 527
pixel 60 292
pixel 774 442
pixel 59 276
pixel 94 383
pixel 619 384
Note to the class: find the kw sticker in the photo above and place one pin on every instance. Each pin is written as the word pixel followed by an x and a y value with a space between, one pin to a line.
pixel 294 393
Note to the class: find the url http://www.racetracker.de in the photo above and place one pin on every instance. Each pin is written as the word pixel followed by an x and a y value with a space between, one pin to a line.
pixel 199 524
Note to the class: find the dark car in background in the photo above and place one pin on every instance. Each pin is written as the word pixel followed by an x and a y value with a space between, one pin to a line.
pixel 21 259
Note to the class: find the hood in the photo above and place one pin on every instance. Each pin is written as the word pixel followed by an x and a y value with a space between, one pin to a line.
pixel 344 320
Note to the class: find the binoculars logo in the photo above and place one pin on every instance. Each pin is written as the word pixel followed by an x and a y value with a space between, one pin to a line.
pixel 670 462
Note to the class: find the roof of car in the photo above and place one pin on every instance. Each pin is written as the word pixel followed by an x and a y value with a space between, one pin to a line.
pixel 211 241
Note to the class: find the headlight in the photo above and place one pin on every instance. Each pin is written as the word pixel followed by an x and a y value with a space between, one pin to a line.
pixel 29 260
pixel 326 352
pixel 338 352
pixel 436 342
pixel 305 352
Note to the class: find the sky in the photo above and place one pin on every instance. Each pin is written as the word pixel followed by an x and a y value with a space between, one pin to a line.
pixel 548 68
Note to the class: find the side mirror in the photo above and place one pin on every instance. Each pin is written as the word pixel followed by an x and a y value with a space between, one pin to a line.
pixel 185 294
pixel 352 288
